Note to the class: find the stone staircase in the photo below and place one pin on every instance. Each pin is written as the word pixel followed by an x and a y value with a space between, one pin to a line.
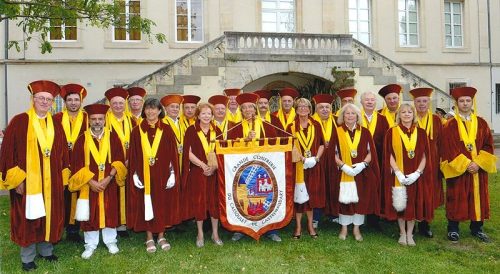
pixel 239 58
pixel 496 140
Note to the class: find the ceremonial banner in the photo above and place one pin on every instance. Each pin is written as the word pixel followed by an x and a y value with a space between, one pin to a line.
pixel 256 189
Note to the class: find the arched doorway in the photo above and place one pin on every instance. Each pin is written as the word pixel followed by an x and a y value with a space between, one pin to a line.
pixel 307 84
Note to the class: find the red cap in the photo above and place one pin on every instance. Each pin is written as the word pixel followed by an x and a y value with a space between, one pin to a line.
pixel 232 91
pixel 247 98
pixel 347 92
pixel 170 99
pixel 463 91
pixel 113 92
pixel 420 92
pixel 391 88
pixel 323 98
pixel 44 86
pixel 133 91
pixel 218 99
pixel 264 93
pixel 289 92
pixel 191 99
pixel 73 89
pixel 96 109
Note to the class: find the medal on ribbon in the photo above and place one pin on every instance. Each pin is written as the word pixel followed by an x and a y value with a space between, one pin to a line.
pixel 152 161
pixel 70 145
pixel 180 148
pixel 126 145
pixel 101 167
pixel 470 147
pixel 411 154
pixel 354 153
pixel 307 153
pixel 46 152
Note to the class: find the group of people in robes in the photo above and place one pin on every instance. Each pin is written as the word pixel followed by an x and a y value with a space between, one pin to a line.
pixel 146 165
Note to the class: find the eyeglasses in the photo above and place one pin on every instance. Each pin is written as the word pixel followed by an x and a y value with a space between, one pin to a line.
pixel 43 99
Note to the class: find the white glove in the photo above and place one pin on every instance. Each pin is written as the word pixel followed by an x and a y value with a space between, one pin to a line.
pixel 137 182
pixel 401 177
pixel 412 177
pixel 358 167
pixel 171 181
pixel 309 162
pixel 348 170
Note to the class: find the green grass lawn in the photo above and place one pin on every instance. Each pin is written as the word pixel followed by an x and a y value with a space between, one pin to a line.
pixel 378 253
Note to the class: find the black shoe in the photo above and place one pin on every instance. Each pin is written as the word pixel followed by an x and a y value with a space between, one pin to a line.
pixel 453 236
pixel 50 258
pixel 29 266
pixel 426 233
pixel 73 237
pixel 481 236
pixel 123 233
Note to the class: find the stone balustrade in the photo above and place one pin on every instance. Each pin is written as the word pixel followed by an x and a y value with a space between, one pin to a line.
pixel 261 46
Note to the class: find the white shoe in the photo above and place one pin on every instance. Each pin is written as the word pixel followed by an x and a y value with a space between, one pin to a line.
pixel 113 248
pixel 334 220
pixel 237 236
pixel 315 224
pixel 87 253
pixel 274 237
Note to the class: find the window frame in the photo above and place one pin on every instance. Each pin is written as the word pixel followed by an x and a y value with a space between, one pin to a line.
pixel 189 29
pixel 497 98
pixel 452 24
pixel 355 34
pixel 407 25
pixel 127 27
pixel 278 11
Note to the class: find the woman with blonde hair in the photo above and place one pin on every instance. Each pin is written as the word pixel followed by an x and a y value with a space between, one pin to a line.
pixel 358 185
pixel 199 176
pixel 406 174
pixel 310 179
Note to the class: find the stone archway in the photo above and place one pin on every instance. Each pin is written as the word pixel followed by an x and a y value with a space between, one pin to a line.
pixel 306 84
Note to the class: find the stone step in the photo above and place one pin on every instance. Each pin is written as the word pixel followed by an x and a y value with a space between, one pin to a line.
pixel 360 63
pixel 198 71
pixel 181 80
pixel 496 140
pixel 384 80
pixel 216 62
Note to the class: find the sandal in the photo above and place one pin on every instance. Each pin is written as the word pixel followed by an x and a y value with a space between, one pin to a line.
pixel 150 248
pixel 165 246
pixel 296 237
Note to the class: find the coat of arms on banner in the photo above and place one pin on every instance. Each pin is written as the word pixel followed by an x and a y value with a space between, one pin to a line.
pixel 257 191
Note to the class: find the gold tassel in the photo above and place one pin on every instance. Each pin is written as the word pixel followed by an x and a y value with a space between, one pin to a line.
pixel 212 159
pixel 296 155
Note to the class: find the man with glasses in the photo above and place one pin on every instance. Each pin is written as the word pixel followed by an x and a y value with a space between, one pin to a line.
pixel 117 120
pixel 34 167
pixel 135 101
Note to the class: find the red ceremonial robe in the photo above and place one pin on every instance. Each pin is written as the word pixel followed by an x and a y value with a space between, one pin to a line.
pixel 314 178
pixel 200 192
pixel 460 201
pixel 435 145
pixel 166 202
pixel 367 182
pixel 70 197
pixel 111 202
pixel 378 139
pixel 331 172
pixel 419 203
pixel 25 232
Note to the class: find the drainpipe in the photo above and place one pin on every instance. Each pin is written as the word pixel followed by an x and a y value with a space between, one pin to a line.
pixel 6 57
pixel 492 92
